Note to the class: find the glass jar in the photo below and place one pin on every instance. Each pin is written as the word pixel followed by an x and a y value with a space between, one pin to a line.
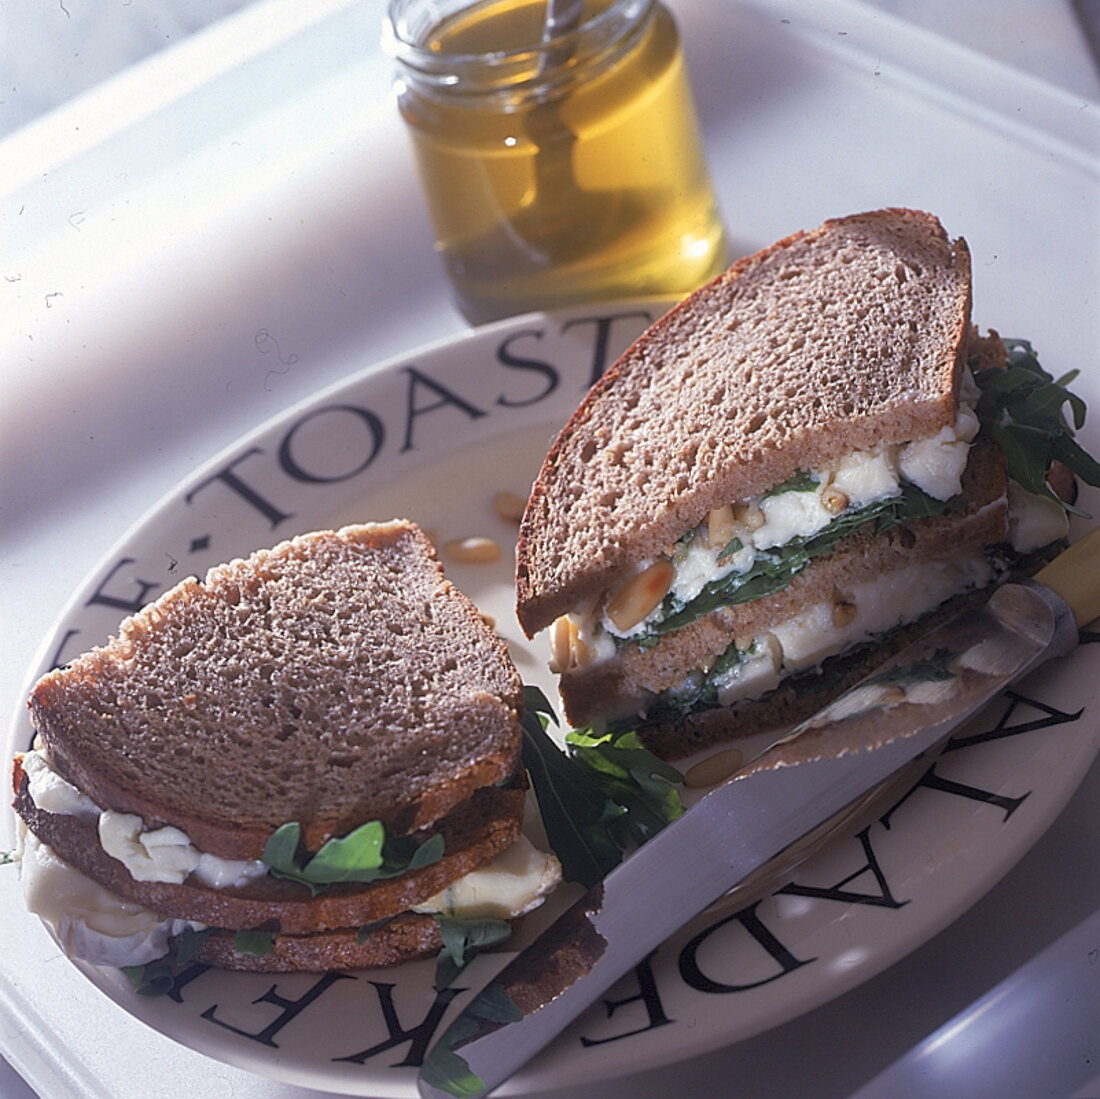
pixel 558 167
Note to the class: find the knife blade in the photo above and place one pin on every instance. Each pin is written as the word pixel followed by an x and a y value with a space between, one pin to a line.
pixel 905 709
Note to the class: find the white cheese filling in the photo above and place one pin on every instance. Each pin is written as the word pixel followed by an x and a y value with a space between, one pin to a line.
pixel 874 608
pixel 516 882
pixel 160 855
pixel 934 464
pixel 90 922
pixel 102 928
pixel 1034 521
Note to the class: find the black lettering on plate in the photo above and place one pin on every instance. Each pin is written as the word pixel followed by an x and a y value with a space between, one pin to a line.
pixel 291 1009
pixel 882 899
pixel 647 995
pixel 1002 728
pixel 57 659
pixel 376 432
pixel 1052 717
pixel 102 597
pixel 693 975
pixel 446 398
pixel 536 366
pixel 181 980
pixel 933 781
pixel 233 481
pixel 419 1037
pixel 602 342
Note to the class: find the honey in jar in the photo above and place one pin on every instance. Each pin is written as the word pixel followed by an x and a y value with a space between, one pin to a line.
pixel 558 168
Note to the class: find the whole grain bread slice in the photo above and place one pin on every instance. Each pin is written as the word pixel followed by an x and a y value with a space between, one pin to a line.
pixel 405 938
pixel 829 341
pixel 334 679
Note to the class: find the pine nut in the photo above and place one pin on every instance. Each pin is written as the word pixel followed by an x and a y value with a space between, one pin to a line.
pixel 713 769
pixel 561 645
pixel 833 500
pixel 844 613
pixel 472 551
pixel 750 516
pixel 720 526
pixel 774 648
pixel 509 506
pixel 641 595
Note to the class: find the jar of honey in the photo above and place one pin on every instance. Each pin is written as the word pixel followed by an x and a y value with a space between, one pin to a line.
pixel 561 158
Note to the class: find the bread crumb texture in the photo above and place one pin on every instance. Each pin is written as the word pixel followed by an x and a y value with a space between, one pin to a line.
pixel 333 679
pixel 829 341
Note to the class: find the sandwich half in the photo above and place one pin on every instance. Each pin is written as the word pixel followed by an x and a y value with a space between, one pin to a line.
pixel 770 485
pixel 304 761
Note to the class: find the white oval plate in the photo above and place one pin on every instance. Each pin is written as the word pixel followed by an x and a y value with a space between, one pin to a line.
pixel 433 436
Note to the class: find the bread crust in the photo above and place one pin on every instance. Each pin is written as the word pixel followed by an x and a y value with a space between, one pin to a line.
pixel 487 825
pixel 829 341
pixel 405 938
pixel 336 678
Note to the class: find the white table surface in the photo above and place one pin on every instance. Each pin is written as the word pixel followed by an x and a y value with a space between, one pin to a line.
pixel 253 177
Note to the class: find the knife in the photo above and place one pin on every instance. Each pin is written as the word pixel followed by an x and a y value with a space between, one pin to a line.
pixel 769 810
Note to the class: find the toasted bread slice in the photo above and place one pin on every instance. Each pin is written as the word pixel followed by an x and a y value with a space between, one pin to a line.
pixel 405 938
pixel 335 679
pixel 830 341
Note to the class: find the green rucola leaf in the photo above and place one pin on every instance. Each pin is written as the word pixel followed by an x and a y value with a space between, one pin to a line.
pixel 447 1070
pixel 633 778
pixel 363 855
pixel 575 811
pixel 1022 410
pixel 188 943
pixel 256 943
pixel 348 858
pixel 462 940
pixel 281 849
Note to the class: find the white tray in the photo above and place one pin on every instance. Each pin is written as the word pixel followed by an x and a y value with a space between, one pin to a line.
pixel 271 192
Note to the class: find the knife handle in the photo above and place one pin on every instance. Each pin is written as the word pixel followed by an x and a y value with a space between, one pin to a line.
pixel 1075 576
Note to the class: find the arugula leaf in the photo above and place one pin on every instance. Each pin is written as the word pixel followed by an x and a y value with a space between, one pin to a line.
pixel 369 929
pixel 575 811
pixel 256 943
pixel 462 941
pixel 156 978
pixel 342 857
pixel 188 943
pixel 801 480
pixel 364 855
pixel 734 545
pixel 153 978
pixel 448 1071
pixel 604 794
pixel 1022 410
pixel 281 850
pixel 698 692
pixel 633 778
